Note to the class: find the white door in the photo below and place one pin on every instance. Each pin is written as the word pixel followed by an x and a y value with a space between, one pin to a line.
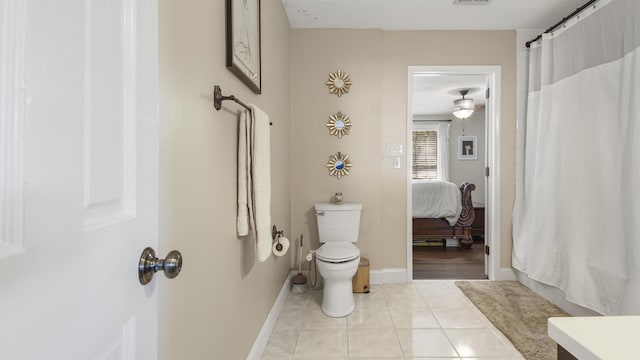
pixel 78 178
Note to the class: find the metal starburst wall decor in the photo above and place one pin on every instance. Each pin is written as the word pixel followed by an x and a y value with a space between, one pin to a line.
pixel 339 165
pixel 339 124
pixel 339 83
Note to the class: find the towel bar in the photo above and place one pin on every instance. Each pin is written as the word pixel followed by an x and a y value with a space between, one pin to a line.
pixel 218 98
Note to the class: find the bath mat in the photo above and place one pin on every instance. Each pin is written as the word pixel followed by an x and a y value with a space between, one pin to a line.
pixel 519 313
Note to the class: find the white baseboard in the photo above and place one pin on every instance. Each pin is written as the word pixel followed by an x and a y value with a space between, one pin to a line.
pixel 263 337
pixel 453 242
pixel 399 275
pixel 386 276
pixel 553 295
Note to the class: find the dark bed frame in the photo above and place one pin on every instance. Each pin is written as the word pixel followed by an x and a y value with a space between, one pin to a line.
pixel 436 229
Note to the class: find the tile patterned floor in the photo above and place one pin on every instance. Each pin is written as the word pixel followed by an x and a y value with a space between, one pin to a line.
pixel 428 319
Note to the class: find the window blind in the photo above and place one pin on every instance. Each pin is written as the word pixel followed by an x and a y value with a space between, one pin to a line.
pixel 425 154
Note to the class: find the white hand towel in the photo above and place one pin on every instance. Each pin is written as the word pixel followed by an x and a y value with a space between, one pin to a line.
pixel 242 223
pixel 261 178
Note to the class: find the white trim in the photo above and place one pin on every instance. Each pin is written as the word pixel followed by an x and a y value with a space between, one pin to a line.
pixel 263 336
pixel 493 222
pixel 492 229
pixel 386 276
pixel 12 123
pixel 453 242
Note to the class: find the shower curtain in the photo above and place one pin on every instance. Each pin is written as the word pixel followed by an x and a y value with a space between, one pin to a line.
pixel 576 219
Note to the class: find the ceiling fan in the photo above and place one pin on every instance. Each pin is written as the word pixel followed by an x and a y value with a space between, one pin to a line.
pixel 464 107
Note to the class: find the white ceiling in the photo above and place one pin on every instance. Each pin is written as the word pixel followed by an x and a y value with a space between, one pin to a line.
pixel 427 14
pixel 432 95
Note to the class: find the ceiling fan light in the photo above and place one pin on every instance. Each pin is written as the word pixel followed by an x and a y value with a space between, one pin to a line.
pixel 462 113
pixel 463 108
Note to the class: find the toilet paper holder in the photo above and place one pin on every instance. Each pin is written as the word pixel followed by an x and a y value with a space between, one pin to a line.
pixel 275 235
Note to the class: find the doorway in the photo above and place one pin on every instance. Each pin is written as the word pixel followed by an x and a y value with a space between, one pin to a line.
pixel 458 150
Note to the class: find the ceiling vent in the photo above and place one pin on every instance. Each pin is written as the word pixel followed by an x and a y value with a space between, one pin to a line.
pixel 471 2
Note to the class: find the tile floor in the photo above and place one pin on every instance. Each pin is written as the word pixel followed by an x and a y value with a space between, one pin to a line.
pixel 428 319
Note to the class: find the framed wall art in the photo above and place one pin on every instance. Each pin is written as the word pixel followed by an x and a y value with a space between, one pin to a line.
pixel 467 148
pixel 243 42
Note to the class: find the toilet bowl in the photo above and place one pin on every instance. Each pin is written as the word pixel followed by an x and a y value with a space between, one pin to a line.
pixel 337 272
pixel 338 259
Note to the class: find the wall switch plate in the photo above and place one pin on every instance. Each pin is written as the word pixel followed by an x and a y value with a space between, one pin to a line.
pixel 394 149
pixel 396 162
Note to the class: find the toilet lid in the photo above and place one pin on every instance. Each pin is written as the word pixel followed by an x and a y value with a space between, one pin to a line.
pixel 337 252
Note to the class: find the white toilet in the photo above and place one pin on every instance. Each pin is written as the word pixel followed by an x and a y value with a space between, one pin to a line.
pixel 338 258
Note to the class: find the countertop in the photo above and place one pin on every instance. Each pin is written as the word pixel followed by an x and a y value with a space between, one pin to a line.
pixel 597 337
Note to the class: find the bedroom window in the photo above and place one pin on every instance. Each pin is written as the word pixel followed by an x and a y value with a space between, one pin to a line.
pixel 426 162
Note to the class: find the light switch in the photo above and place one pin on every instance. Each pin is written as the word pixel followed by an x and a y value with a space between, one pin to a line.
pixel 394 149
pixel 396 162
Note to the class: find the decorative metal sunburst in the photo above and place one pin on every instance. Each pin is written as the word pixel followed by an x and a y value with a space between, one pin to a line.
pixel 339 124
pixel 339 83
pixel 339 165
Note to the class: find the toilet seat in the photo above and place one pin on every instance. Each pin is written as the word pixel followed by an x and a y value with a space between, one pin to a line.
pixel 337 252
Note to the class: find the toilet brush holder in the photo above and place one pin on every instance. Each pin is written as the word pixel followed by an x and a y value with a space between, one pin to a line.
pixel 299 281
pixel 299 284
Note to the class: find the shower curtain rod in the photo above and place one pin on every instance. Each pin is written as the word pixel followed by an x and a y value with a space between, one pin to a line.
pixel 561 22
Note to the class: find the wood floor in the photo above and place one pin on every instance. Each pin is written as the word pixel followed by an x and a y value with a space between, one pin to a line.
pixel 437 262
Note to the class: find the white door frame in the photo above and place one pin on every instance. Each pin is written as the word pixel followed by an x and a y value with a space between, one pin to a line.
pixel 492 207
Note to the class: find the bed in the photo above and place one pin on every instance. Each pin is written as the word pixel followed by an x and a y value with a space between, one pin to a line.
pixel 440 210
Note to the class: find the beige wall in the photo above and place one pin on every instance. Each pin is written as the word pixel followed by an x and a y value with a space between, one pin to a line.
pixel 218 304
pixel 315 54
pixel 222 292
pixel 377 62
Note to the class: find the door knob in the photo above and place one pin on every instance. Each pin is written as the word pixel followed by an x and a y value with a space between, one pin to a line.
pixel 149 264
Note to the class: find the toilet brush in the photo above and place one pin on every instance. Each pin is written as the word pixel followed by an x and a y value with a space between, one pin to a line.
pixel 299 281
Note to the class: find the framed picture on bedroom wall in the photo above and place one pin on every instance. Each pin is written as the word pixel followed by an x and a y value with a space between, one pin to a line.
pixel 467 148
pixel 243 42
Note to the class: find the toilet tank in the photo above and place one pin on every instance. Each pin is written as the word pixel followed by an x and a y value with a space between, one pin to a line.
pixel 338 223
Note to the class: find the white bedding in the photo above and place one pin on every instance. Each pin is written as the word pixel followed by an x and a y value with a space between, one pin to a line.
pixel 436 199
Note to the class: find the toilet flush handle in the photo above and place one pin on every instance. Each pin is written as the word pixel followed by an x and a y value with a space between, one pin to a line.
pixel 319 213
